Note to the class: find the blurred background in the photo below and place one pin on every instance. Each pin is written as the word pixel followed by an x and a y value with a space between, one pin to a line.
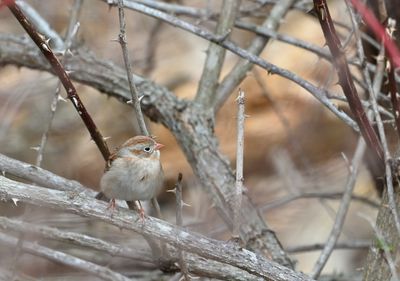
pixel 292 143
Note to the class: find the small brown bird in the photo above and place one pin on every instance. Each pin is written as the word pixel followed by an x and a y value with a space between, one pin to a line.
pixel 133 172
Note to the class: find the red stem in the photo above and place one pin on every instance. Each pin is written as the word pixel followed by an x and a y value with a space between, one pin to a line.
pixel 379 31
pixel 62 75
pixel 346 81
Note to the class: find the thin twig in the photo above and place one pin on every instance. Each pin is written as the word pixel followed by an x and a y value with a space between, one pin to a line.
pixel 71 32
pixel 349 245
pixel 342 211
pixel 392 85
pixel 319 94
pixel 239 71
pixel 69 260
pixel 132 87
pixel 64 77
pixel 179 222
pixel 381 130
pixel 315 195
pixel 239 163
pixel 379 31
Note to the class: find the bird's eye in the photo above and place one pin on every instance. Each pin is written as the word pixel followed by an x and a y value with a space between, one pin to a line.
pixel 147 149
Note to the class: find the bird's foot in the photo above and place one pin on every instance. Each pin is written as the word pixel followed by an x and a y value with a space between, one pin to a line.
pixel 111 206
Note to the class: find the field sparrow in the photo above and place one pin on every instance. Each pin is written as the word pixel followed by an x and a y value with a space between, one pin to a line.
pixel 133 172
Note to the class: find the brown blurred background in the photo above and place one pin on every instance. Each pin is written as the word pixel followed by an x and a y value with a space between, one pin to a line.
pixel 279 160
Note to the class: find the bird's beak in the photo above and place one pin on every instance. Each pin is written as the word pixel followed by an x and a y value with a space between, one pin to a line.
pixel 159 145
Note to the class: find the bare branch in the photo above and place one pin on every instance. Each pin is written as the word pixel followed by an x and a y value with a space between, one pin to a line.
pixel 75 239
pixel 192 130
pixel 239 71
pixel 42 25
pixel 179 222
pixel 41 176
pixel 341 214
pixel 345 80
pixel 60 257
pixel 239 163
pixel 216 54
pixel 212 249
pixel 348 245
pixel 132 87
pixel 64 77
pixel 197 265
pixel 71 32
pixel 315 195
pixel 319 94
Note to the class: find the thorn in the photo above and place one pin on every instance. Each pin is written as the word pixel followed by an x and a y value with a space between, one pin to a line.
pixel 69 71
pixel 129 102
pixel 42 36
pixel 171 190
pixel 247 116
pixel 106 138
pixel 75 30
pixel 140 98
pixel 60 98
pixel 114 40
pixel 15 201
pixel 59 52
pixel 312 12
pixel 185 204
pixel 345 158
pixel 48 41
pixel 69 52
pixel 36 148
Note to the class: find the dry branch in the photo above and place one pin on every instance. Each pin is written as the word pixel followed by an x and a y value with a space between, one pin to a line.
pixel 59 70
pixel 191 126
pixel 208 248
pixel 60 257
pixel 345 80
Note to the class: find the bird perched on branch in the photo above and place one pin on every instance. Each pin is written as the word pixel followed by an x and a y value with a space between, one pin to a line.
pixel 133 172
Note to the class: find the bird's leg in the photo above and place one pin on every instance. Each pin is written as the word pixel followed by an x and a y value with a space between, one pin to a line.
pixel 140 209
pixel 111 205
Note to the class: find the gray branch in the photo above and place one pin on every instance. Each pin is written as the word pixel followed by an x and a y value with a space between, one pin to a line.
pixel 60 257
pixel 216 54
pixel 196 264
pixel 208 248
pixel 239 71
pixel 191 126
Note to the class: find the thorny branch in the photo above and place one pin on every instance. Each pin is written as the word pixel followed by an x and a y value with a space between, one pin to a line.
pixel 64 77
pixel 189 124
pixel 132 87
pixel 345 80
pixel 157 229
pixel 196 264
